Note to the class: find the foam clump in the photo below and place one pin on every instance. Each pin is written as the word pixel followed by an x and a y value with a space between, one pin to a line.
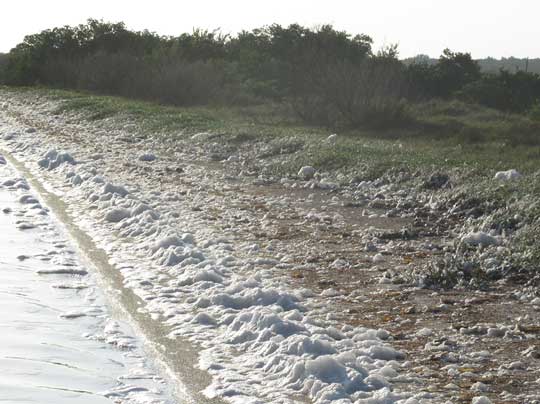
pixel 147 157
pixel 307 172
pixel 168 241
pixel 54 159
pixel 481 400
pixel 386 353
pixel 332 138
pixel 326 369
pixel 479 238
pixel 116 215
pixel 509 175
pixel 109 188
pixel 140 208
pixel 226 302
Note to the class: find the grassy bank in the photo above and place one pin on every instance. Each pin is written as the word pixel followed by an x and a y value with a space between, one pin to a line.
pixel 441 136
pixel 468 144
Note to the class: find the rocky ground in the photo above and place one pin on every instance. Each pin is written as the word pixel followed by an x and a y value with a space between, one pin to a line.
pixel 392 254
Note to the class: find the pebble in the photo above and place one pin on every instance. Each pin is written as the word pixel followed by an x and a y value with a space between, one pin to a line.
pixel 332 138
pixel 370 247
pixel 496 332
pixel 147 157
pixel 479 238
pixel 509 175
pixel 307 172
pixel 480 387
pixel 481 400
pixel 116 215
pixel 516 365
pixel 378 258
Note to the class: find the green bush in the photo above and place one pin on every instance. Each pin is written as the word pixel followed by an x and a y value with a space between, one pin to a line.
pixel 451 73
pixel 534 112
pixel 3 64
pixel 512 92
pixel 327 77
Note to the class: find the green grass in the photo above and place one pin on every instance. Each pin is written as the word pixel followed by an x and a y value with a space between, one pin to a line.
pixel 445 136
pixel 468 142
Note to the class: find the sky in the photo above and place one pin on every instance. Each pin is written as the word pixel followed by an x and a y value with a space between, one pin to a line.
pixel 497 28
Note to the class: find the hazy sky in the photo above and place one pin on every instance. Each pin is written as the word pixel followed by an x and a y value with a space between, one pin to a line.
pixel 483 27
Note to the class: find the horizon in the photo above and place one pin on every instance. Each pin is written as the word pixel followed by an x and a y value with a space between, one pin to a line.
pixel 484 31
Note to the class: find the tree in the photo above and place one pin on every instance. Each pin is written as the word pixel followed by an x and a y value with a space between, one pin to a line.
pixel 453 71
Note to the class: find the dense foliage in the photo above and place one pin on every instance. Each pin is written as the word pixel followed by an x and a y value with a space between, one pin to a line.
pixel 327 76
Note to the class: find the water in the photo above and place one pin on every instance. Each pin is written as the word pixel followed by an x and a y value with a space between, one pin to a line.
pixel 58 342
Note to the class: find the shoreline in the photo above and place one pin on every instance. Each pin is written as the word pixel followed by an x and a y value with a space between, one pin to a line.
pixel 225 223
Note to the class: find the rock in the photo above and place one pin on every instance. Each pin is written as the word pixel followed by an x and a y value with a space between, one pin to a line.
pixel 27 199
pixel 332 138
pixel 480 387
pixel 31 130
pixel 474 330
pixel 204 319
pixel 172 259
pixel 378 258
pixel 139 209
pixel 51 154
pixel 425 332
pixel 496 332
pixel 53 159
pixel 479 238
pixel 324 185
pixel 177 169
pixel 509 175
pixel 307 172
pixel 61 159
pixel 147 157
pixel 516 365
pixel 25 226
pixel 76 180
pixel 117 214
pixel 200 136
pixel 437 181
pixel 330 293
pixel 114 189
pixel 481 400
pixel 340 264
pixel 532 352
pixel 370 247
pixel 2 160
pixel 385 353
pixel 188 238
pixel 168 241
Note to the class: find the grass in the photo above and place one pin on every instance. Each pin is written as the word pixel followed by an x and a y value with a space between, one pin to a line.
pixel 468 142
pixel 447 135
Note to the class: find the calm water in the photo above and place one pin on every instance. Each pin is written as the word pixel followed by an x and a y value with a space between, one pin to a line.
pixel 58 343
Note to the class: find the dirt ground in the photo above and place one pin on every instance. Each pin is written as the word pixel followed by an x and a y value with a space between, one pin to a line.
pixel 458 343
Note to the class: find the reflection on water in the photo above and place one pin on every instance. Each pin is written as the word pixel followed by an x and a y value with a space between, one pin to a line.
pixel 57 342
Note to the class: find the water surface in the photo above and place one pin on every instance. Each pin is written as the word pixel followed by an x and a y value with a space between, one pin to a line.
pixel 58 343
